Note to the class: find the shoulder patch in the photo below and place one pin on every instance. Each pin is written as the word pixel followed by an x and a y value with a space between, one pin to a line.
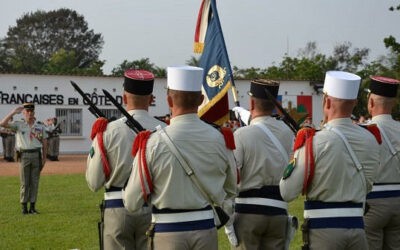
pixel 91 152
pixel 289 169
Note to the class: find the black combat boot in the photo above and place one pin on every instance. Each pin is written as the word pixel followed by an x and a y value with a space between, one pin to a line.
pixel 32 209
pixel 24 208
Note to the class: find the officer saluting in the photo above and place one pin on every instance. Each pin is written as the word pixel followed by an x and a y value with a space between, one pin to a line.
pixel 382 222
pixel 31 143
pixel 262 153
pixel 122 229
pixel 334 169
pixel 182 216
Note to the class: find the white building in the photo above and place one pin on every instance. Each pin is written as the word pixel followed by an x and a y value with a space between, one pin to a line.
pixel 54 96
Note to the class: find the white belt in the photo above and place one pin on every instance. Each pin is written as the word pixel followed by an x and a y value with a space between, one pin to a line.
pixel 389 187
pixel 182 217
pixel 333 212
pixel 114 195
pixel 262 202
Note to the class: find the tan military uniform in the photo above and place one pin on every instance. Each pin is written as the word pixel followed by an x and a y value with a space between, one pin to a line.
pixel 29 143
pixel 8 138
pixel 336 195
pixel 122 229
pixel 182 216
pixel 382 222
pixel 53 142
pixel 260 222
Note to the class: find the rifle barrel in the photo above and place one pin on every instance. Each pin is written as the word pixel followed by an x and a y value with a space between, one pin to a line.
pixel 92 107
pixel 131 122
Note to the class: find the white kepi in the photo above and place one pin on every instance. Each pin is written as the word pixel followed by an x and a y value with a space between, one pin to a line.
pixel 185 78
pixel 341 85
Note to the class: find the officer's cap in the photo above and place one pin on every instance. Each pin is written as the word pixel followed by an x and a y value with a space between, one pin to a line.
pixel 383 86
pixel 258 88
pixel 185 78
pixel 29 106
pixel 138 82
pixel 341 85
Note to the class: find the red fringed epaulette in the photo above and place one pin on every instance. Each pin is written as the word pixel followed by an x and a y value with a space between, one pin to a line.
pixel 228 136
pixel 301 137
pixel 374 130
pixel 141 138
pixel 139 151
pixel 98 126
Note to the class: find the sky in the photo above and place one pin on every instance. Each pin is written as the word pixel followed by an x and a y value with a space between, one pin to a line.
pixel 258 33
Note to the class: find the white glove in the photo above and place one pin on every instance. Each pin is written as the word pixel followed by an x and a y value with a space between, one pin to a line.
pixel 230 233
pixel 242 113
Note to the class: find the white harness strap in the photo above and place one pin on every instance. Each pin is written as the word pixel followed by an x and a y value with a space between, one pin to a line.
pixel 274 140
pixel 351 152
pixel 393 151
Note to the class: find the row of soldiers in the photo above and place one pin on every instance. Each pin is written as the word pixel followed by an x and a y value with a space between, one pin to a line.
pixel 164 185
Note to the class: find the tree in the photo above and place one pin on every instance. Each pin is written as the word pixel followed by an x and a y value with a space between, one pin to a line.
pixel 193 61
pixel 41 36
pixel 143 63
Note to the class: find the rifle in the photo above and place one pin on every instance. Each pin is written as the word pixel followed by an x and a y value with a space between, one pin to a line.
pixel 286 118
pixel 131 122
pixel 92 107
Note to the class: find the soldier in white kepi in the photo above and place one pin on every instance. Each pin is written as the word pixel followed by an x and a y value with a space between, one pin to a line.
pixel 382 221
pixel 110 161
pixel 334 168
pixel 171 165
pixel 262 152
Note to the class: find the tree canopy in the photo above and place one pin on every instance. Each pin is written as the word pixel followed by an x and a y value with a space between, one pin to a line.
pixel 50 42
pixel 143 63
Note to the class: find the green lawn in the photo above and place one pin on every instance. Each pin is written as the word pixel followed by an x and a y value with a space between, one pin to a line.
pixel 68 216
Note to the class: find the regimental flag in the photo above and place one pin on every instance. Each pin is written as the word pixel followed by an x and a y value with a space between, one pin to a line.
pixel 217 78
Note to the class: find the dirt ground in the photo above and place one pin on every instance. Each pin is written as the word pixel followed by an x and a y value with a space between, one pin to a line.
pixel 67 164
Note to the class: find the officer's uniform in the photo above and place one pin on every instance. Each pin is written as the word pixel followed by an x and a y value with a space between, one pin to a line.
pixel 29 142
pixel 335 195
pixel 382 221
pixel 261 213
pixel 182 215
pixel 122 229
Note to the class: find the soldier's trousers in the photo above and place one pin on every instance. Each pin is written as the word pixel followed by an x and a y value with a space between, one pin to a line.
pixel 187 240
pixel 338 239
pixel 53 146
pixel 125 230
pixel 30 167
pixel 382 223
pixel 257 231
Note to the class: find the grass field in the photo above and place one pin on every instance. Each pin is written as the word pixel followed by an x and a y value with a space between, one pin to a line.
pixel 68 216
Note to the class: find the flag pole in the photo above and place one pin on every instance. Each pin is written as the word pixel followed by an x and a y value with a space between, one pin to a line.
pixel 233 86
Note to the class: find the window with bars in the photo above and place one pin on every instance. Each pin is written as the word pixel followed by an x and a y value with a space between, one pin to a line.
pixel 111 114
pixel 70 121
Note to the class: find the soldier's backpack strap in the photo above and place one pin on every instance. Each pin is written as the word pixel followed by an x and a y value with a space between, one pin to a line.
pixel 139 151
pixel 98 128
pixel 304 137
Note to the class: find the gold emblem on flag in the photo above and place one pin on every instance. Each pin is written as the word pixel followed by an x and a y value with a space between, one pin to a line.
pixel 215 76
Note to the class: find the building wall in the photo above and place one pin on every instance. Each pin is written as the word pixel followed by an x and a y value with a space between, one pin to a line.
pixel 51 92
